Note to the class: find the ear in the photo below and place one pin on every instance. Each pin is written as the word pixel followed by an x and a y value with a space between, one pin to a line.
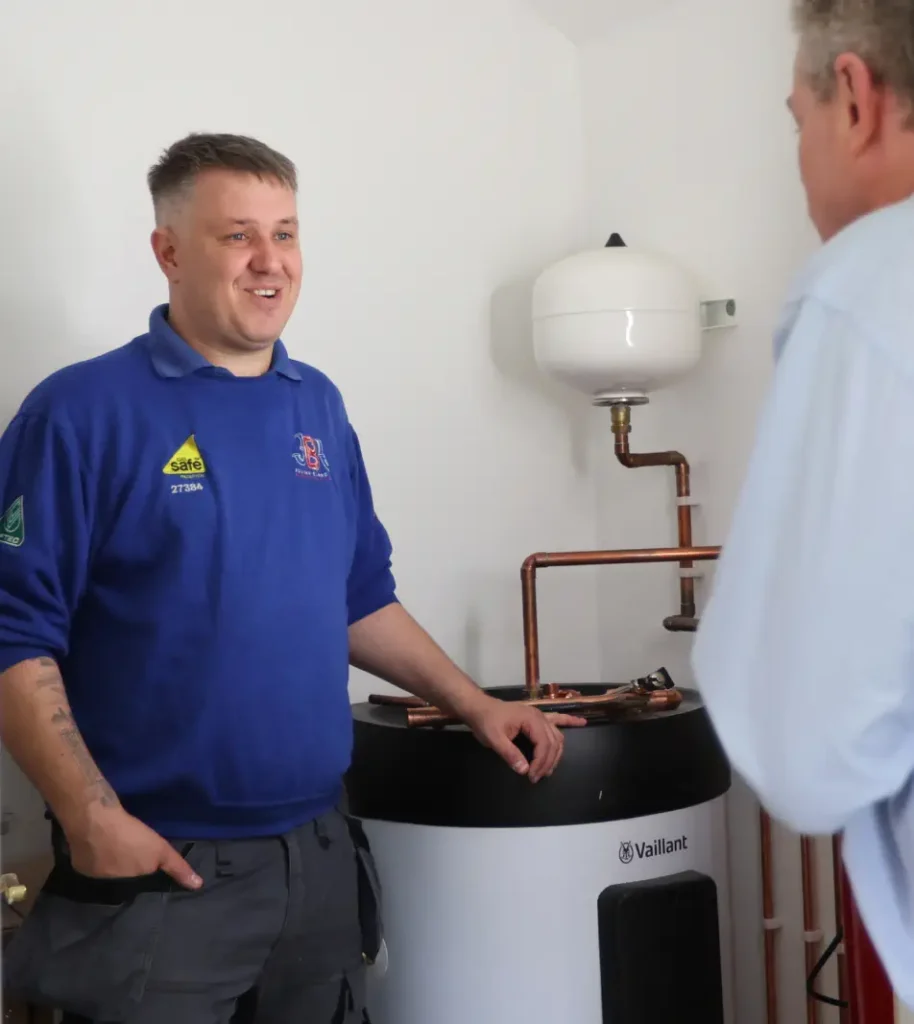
pixel 860 101
pixel 164 245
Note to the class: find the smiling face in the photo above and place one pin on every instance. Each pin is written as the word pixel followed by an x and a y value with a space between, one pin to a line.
pixel 230 251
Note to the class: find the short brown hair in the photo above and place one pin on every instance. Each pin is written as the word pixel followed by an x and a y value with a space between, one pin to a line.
pixel 178 167
pixel 880 32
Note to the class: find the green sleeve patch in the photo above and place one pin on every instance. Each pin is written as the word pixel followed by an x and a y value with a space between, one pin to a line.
pixel 12 525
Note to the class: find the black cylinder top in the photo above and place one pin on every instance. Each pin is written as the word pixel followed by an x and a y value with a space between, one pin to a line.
pixel 652 763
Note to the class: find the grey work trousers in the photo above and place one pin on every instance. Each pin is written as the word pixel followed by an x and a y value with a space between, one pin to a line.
pixel 273 937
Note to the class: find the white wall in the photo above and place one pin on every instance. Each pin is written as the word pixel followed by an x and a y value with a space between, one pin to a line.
pixel 691 151
pixel 441 159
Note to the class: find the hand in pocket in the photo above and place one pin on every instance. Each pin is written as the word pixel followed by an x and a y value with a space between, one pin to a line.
pixel 114 844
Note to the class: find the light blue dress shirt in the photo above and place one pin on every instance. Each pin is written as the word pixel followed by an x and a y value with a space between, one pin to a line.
pixel 805 653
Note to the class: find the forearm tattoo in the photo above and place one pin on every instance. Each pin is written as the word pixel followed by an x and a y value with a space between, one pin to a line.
pixel 49 677
pixel 49 680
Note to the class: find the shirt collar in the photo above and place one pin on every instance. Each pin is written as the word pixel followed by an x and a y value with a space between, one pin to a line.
pixel 173 357
pixel 806 280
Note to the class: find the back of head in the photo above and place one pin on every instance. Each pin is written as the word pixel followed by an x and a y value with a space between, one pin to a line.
pixel 880 32
pixel 854 103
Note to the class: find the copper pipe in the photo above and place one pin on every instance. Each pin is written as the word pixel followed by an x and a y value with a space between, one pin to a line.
pixel 531 627
pixel 685 621
pixel 612 702
pixel 812 936
pixel 631 556
pixel 388 700
pixel 771 924
pixel 574 558
pixel 559 692
pixel 626 696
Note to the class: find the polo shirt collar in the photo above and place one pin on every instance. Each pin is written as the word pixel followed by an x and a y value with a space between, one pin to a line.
pixel 173 357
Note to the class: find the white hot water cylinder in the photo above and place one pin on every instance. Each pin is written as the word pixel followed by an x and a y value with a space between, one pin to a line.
pixel 597 895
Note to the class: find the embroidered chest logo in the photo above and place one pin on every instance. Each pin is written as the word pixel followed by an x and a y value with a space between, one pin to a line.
pixel 187 464
pixel 311 460
pixel 12 525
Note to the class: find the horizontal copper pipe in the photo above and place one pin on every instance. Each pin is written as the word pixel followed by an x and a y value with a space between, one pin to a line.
pixel 394 701
pixel 389 700
pixel 575 558
pixel 620 695
pixel 612 702
pixel 634 556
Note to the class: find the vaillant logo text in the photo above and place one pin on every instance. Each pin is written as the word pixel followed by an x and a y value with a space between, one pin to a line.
pixel 657 848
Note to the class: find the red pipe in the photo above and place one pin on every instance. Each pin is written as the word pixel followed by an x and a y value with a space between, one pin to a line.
pixel 869 992
pixel 844 1013
pixel 770 922
pixel 812 936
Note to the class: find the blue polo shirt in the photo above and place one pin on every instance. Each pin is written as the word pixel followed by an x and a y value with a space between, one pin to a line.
pixel 191 548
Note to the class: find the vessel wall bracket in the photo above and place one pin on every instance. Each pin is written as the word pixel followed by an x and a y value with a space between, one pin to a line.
pixel 717 314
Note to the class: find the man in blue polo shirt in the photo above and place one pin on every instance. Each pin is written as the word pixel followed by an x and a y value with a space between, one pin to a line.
pixel 190 560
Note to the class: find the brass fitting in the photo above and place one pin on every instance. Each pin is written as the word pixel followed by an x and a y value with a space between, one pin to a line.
pixel 621 419
pixel 11 890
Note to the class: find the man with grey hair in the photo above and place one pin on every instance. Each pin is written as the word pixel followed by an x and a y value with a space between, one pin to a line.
pixel 805 654
pixel 190 561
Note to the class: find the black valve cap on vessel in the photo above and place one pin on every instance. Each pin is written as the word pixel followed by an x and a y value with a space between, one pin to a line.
pixel 615 241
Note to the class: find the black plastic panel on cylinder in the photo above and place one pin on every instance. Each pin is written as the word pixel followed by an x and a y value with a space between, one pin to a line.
pixel 660 951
